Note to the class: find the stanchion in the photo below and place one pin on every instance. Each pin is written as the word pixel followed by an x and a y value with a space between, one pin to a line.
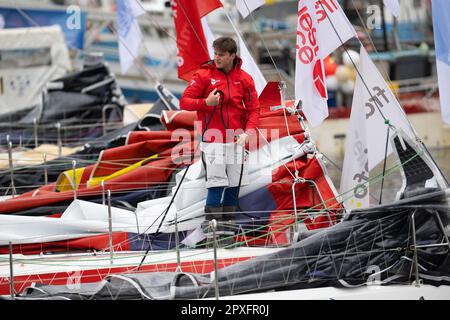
pixel 45 170
pixel 74 172
pixel 35 126
pixel 11 168
pixel 103 192
pixel 111 249
pixel 58 139
pixel 11 273
pixel 177 244
pixel 213 226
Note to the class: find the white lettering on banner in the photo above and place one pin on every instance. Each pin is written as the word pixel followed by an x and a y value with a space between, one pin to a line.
pixel 318 24
pixel 310 86
pixel 355 171
pixel 324 8
pixel 331 21
pixel 362 178
pixel 381 96
pixel 374 98
pixel 307 49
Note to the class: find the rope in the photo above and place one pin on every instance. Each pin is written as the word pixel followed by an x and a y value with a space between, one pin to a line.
pixel 263 42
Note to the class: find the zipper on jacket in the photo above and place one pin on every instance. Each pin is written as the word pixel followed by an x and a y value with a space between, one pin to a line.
pixel 228 102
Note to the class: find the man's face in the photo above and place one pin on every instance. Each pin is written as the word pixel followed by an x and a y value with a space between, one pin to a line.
pixel 223 60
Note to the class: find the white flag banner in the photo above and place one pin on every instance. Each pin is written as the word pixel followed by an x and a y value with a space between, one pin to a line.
pixel 441 27
pixel 248 63
pixel 321 28
pixel 443 72
pixel 394 7
pixel 209 37
pixel 130 35
pixel 355 172
pixel 382 97
pixel 245 7
pixel 334 29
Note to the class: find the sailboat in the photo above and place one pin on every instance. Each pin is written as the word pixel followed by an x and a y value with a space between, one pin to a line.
pixel 404 242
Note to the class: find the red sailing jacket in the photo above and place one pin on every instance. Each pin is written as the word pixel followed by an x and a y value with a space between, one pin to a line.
pixel 238 107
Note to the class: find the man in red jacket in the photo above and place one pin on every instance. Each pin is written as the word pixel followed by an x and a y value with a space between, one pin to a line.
pixel 226 102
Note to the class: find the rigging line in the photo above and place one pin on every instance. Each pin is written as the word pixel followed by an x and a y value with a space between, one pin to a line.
pixel 384 165
pixel 242 242
pixel 158 75
pixel 309 210
pixel 283 101
pixel 136 59
pixel 351 59
pixel 332 162
pixel 269 232
pixel 289 133
pixel 159 27
pixel 362 79
pixel 192 27
pixel 263 42
pixel 270 152
pixel 374 179
pixel 340 170
pixel 144 68
pixel 171 201
pixel 26 16
pixel 156 186
pixel 418 139
pixel 385 74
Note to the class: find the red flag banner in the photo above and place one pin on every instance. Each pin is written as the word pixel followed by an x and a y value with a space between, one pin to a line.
pixel 191 41
pixel 206 6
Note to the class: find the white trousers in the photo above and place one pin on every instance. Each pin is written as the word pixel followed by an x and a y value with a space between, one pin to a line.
pixel 224 164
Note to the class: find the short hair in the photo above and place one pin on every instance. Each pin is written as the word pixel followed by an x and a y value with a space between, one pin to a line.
pixel 225 44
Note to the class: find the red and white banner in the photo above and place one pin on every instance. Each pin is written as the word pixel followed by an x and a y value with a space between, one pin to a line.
pixel 310 85
pixel 191 41
pixel 334 29
pixel 321 28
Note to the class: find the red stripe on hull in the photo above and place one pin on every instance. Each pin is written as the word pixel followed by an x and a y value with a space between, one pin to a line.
pixel 89 276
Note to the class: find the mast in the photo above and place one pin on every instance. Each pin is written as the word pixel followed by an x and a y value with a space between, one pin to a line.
pixel 383 22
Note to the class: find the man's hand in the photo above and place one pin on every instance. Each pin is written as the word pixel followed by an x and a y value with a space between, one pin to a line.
pixel 213 98
pixel 242 139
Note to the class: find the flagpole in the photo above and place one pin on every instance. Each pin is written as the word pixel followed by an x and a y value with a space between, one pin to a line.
pixel 383 22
